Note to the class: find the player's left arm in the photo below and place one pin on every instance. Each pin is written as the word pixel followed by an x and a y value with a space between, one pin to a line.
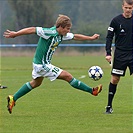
pixel 25 31
pixel 81 37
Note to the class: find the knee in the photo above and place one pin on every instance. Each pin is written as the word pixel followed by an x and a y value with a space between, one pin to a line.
pixel 65 76
pixel 35 84
pixel 115 79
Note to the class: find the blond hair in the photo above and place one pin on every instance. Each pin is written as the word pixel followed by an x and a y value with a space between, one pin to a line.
pixel 63 21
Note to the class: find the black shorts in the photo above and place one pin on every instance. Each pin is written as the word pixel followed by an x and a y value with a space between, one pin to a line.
pixel 122 60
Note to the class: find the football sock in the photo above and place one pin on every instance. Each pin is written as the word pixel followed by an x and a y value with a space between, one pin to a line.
pixel 80 85
pixel 112 91
pixel 22 91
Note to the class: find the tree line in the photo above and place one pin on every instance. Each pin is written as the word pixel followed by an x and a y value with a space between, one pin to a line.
pixel 88 16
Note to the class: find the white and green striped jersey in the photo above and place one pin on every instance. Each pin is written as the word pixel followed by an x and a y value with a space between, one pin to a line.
pixel 47 44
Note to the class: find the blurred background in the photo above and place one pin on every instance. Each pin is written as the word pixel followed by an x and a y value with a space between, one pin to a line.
pixel 88 17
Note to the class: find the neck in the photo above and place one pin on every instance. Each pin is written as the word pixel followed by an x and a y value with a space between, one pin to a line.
pixel 129 16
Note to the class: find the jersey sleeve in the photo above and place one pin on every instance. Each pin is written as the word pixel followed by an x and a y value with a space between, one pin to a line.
pixel 41 32
pixel 68 36
pixel 109 37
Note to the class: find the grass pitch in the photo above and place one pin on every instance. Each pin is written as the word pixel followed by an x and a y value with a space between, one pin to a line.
pixel 56 107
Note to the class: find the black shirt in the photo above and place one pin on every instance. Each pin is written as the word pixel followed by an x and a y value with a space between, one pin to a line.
pixel 122 28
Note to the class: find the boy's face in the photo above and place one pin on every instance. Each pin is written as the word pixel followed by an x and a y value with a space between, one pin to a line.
pixel 64 31
pixel 127 10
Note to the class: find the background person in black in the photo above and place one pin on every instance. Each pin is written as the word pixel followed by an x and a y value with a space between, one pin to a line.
pixel 121 27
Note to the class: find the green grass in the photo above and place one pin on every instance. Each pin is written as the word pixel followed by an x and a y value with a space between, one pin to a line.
pixel 56 107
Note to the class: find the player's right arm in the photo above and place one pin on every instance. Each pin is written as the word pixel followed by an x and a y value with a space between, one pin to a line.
pixel 25 31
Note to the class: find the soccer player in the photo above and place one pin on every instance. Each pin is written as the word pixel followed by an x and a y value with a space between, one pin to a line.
pixel 3 87
pixel 49 40
pixel 122 27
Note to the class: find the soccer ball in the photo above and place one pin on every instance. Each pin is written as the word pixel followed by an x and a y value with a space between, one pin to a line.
pixel 95 73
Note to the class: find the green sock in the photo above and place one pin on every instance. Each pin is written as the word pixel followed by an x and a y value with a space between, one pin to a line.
pixel 80 85
pixel 22 91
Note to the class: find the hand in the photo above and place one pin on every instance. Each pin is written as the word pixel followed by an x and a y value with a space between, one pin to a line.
pixel 95 36
pixel 9 34
pixel 109 58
